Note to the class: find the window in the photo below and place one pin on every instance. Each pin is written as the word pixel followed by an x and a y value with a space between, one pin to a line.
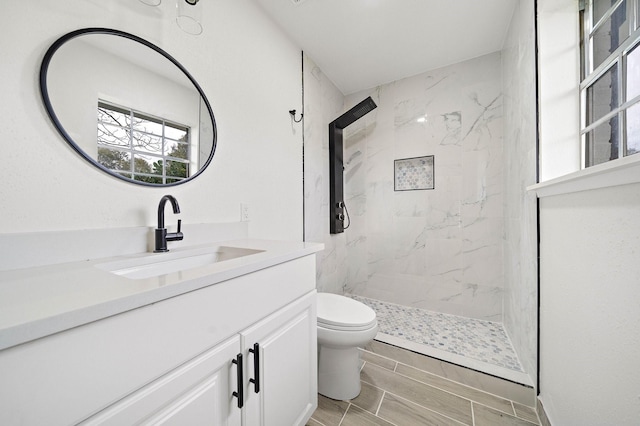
pixel 141 147
pixel 610 87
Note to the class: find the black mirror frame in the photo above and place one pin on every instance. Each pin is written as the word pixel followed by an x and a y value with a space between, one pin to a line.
pixel 54 118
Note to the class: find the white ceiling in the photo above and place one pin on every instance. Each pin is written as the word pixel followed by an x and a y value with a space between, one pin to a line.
pixel 361 44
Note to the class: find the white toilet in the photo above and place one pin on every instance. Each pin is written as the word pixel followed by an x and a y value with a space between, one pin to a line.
pixel 344 325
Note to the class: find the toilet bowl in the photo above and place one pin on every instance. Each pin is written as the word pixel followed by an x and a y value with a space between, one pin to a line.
pixel 344 325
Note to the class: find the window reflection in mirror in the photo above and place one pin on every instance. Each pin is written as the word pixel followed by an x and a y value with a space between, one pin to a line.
pixel 142 147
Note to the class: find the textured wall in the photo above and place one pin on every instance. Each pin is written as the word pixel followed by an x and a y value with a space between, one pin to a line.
pixel 250 72
pixel 590 321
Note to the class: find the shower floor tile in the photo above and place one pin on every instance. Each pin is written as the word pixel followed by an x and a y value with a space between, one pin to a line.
pixel 484 341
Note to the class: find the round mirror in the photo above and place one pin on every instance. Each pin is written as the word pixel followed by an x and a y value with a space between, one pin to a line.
pixel 128 107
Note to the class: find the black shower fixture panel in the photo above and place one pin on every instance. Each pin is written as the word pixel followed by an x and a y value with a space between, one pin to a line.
pixel 337 207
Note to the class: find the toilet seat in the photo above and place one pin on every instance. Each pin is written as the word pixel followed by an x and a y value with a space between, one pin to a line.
pixel 341 313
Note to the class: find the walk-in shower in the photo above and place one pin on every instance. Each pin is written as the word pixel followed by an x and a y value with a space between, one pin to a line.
pixel 445 269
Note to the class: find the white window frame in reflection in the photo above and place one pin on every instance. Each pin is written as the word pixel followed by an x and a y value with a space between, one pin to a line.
pixel 143 137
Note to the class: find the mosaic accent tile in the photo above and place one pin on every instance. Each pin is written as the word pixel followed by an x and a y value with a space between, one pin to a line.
pixel 481 340
pixel 414 173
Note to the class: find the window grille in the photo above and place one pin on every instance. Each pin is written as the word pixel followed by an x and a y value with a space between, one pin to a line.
pixel 142 147
pixel 610 87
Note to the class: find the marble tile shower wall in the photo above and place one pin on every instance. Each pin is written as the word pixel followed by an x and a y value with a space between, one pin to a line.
pixel 323 103
pixel 520 210
pixel 439 249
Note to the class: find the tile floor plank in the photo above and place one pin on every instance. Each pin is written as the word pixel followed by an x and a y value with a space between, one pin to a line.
pixel 358 417
pixel 403 412
pixel 485 416
pixel 525 412
pixel 427 396
pixel 456 373
pixel 398 354
pixel 456 388
pixel 329 411
pixel 378 360
pixel 369 398
pixel 312 422
pixel 410 396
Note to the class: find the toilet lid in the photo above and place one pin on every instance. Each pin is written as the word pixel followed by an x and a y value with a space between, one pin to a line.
pixel 335 311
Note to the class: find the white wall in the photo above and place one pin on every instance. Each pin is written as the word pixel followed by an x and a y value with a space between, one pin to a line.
pixel 250 72
pixel 558 77
pixel 590 321
pixel 520 210
pixel 589 242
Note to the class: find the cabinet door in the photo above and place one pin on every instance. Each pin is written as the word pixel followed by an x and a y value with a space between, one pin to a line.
pixel 200 392
pixel 287 352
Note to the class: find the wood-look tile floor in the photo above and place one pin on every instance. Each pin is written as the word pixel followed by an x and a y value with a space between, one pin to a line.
pixel 394 393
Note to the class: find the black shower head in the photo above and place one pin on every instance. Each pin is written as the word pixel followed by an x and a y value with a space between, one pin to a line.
pixel 336 167
pixel 355 113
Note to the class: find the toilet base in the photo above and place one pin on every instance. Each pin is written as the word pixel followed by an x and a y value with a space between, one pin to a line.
pixel 338 372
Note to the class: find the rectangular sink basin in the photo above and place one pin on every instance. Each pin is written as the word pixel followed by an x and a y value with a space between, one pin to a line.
pixel 154 265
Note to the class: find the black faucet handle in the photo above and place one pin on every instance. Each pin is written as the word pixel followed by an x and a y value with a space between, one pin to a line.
pixel 179 225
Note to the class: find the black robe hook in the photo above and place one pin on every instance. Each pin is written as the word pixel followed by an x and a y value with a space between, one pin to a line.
pixel 293 116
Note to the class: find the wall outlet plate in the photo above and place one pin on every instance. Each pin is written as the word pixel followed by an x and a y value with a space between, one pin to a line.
pixel 244 212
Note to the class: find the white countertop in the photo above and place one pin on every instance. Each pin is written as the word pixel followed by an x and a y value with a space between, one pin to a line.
pixel 40 301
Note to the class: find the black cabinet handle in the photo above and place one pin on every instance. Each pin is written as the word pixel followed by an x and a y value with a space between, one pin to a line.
pixel 240 393
pixel 256 367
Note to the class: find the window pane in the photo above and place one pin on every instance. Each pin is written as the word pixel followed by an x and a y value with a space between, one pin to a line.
pixel 113 159
pixel 600 7
pixel 602 96
pixel 633 129
pixel 610 35
pixel 176 150
pixel 107 115
pixel 145 142
pixel 181 135
pixel 633 73
pixel 112 135
pixel 148 179
pixel 147 164
pixel 144 124
pixel 177 169
pixel 602 143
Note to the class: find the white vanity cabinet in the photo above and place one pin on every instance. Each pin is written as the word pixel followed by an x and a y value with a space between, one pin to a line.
pixel 285 391
pixel 204 391
pixel 172 362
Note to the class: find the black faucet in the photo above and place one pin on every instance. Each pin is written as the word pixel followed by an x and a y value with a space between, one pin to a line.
pixel 162 236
